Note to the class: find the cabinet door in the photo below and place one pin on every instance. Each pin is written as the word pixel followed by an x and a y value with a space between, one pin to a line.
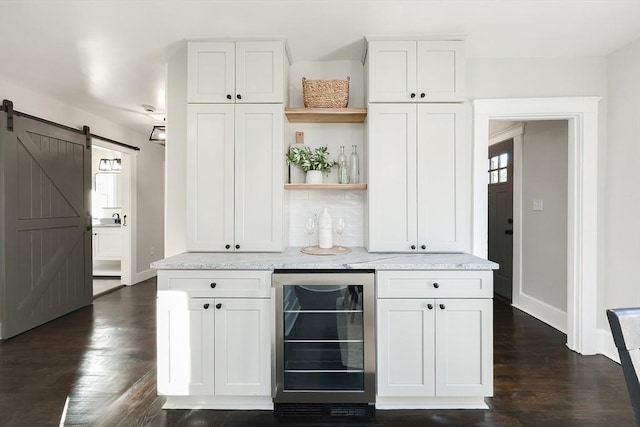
pixel 464 352
pixel 185 345
pixel 392 71
pixel 258 177
pixel 442 195
pixel 259 72
pixel 440 73
pixel 392 178
pixel 243 347
pixel 405 347
pixel 107 244
pixel 210 180
pixel 211 72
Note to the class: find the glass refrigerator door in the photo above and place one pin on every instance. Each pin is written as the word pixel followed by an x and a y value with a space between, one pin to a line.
pixel 323 337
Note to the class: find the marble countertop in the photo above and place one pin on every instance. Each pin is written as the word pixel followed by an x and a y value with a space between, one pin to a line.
pixel 292 258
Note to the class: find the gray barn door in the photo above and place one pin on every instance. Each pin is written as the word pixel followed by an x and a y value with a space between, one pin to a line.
pixel 45 187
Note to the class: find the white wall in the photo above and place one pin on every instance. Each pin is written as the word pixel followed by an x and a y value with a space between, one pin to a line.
pixel 150 214
pixel 176 153
pixel 544 232
pixel 621 286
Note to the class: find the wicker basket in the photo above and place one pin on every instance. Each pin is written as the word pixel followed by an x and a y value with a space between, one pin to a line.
pixel 325 93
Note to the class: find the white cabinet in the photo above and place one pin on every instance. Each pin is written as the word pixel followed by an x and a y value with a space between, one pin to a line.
pixel 107 244
pixel 416 71
pixel 435 347
pixel 236 72
pixel 218 345
pixel 214 346
pixel 234 177
pixel 416 178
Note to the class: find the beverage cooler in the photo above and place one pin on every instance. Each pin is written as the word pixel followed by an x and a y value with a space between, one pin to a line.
pixel 325 342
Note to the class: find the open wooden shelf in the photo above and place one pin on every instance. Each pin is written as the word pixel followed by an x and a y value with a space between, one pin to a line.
pixel 326 115
pixel 325 186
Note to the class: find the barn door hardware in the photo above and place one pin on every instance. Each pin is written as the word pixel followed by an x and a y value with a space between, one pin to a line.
pixel 7 106
pixel 87 135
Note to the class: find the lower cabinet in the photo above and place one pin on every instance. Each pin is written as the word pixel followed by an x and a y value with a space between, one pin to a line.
pixel 214 339
pixel 428 347
pixel 214 346
pixel 107 243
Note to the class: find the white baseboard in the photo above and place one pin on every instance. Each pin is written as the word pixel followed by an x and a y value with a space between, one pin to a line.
pixel 542 311
pixel 144 275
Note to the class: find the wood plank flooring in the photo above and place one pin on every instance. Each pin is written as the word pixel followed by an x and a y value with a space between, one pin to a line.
pixel 102 358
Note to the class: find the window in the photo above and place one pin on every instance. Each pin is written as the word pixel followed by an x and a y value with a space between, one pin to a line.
pixel 498 169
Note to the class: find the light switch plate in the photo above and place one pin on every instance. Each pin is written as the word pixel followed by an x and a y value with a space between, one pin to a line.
pixel 537 205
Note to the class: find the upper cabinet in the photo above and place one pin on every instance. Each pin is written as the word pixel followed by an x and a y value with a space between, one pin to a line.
pixel 416 71
pixel 236 72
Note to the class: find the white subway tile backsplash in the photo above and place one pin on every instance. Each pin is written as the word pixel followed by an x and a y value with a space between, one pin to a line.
pixel 346 204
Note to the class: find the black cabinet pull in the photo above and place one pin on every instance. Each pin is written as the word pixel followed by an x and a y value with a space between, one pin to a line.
pixel 239 96
pixel 229 96
pixel 206 306
pixel 436 285
pixel 413 247
pixel 430 306
pixel 442 306
pixel 218 306
pixel 213 285
pixel 422 95
pixel 237 246
pixel 423 247
pixel 508 232
pixel 413 95
pixel 227 246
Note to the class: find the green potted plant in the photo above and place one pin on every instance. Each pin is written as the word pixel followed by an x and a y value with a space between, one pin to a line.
pixel 313 162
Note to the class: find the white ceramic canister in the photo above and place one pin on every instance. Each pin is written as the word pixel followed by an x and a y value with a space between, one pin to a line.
pixel 325 230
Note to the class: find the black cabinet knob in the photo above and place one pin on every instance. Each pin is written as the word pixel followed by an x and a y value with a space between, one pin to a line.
pixel 442 306
pixel 413 95
pixel 239 96
pixel 206 306
pixel 413 247
pixel 508 232
pixel 229 96
pixel 213 285
pixel 436 285
pixel 227 246
pixel 218 306
pixel 422 95
pixel 430 306
pixel 423 247
pixel 237 246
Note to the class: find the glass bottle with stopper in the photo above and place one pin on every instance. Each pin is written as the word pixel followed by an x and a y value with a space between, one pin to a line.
pixel 353 165
pixel 343 167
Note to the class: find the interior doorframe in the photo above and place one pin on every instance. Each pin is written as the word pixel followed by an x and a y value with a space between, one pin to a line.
pixel 582 116
pixel 129 241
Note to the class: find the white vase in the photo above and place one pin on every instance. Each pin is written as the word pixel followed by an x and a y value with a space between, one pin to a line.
pixel 314 177
pixel 325 230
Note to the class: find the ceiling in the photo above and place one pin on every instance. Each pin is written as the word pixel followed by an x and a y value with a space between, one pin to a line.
pixel 109 56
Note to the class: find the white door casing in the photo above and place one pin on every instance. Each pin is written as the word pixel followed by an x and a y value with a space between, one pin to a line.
pixel 582 116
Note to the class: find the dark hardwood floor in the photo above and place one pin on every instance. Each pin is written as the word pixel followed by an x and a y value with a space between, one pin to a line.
pixel 102 359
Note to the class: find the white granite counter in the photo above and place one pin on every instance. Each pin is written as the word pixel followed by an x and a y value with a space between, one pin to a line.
pixel 292 258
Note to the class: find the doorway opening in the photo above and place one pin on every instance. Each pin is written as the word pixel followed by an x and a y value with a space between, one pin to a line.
pixel 528 217
pixel 581 115
pixel 112 186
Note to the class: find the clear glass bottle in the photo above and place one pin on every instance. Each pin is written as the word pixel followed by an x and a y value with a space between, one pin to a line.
pixel 353 165
pixel 343 167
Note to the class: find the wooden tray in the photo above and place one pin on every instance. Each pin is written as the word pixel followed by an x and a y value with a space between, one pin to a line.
pixel 315 250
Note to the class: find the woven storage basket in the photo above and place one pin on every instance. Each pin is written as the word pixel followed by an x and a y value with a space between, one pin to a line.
pixel 325 93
